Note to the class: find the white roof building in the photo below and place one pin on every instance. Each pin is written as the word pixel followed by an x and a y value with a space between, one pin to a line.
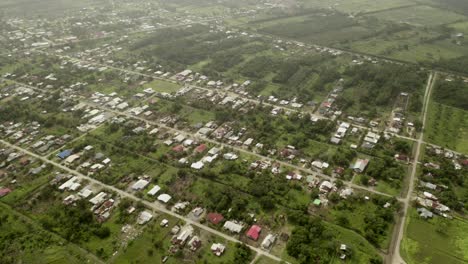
pixel 268 241
pixel 233 227
pixel 154 190
pixel 144 217
pixel 164 198
pixel 140 185
pixel 98 198
pixel 197 165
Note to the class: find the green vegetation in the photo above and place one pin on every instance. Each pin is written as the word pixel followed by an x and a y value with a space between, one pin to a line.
pixel 437 240
pixel 24 241
pixel 447 126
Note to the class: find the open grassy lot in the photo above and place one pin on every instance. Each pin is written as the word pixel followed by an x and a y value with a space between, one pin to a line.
pixel 321 28
pixel 163 86
pixel 47 7
pixel 427 241
pixel 447 126
pixel 357 6
pixel 420 15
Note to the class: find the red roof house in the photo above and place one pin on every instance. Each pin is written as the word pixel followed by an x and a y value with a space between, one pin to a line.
pixel 200 148
pixel 254 232
pixel 178 148
pixel 4 191
pixel 215 218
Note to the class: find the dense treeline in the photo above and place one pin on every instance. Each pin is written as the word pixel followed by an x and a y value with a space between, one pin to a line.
pixel 379 85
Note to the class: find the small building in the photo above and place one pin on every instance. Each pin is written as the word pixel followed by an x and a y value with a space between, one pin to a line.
pixel 140 185
pixel 218 249
pixel 154 190
pixel 144 217
pixel 164 198
pixel 233 227
pixel 4 191
pixel 424 213
pixel 64 154
pixel 254 232
pixel 215 218
pixel 268 241
pixel 360 165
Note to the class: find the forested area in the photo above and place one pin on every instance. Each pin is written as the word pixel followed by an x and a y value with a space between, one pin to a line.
pixel 379 85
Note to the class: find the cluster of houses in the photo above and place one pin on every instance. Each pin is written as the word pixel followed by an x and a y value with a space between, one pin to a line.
pixel 142 184
pixel 30 135
pixel 102 203
pixel 459 161
pixel 87 160
pixel 430 203
pixel 328 107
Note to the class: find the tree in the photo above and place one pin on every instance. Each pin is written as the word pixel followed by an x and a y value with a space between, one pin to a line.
pixel 243 254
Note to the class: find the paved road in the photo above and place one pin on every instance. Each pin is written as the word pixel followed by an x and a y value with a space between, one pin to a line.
pixel 395 257
pixel 155 206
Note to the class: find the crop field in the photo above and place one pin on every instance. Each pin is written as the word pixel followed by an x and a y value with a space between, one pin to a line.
pixel 426 241
pixel 448 126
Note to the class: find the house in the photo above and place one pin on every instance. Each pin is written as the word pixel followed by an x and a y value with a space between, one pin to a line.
pixel 230 156
pixel 85 193
pixel 360 165
pixel 64 154
pixel 248 142
pixel 335 140
pixel 179 138
pixel 218 249
pixel 424 213
pixel 201 148
pixel 197 165
pixel 254 232
pixel 214 151
pixel 215 218
pixel 178 148
pixel 4 191
pixel 154 190
pixel 346 192
pixel 164 198
pixel 72 158
pixel 233 227
pixel 194 243
pixel 144 217
pixel 98 199
pixel 140 185
pixel 164 223
pixel 268 241
pixel 185 233
pixel 68 183
pixel 326 186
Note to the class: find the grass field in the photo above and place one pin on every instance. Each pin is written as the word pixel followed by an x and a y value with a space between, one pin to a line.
pixel 163 86
pixel 448 127
pixel 427 242
pixel 420 15
pixel 357 6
